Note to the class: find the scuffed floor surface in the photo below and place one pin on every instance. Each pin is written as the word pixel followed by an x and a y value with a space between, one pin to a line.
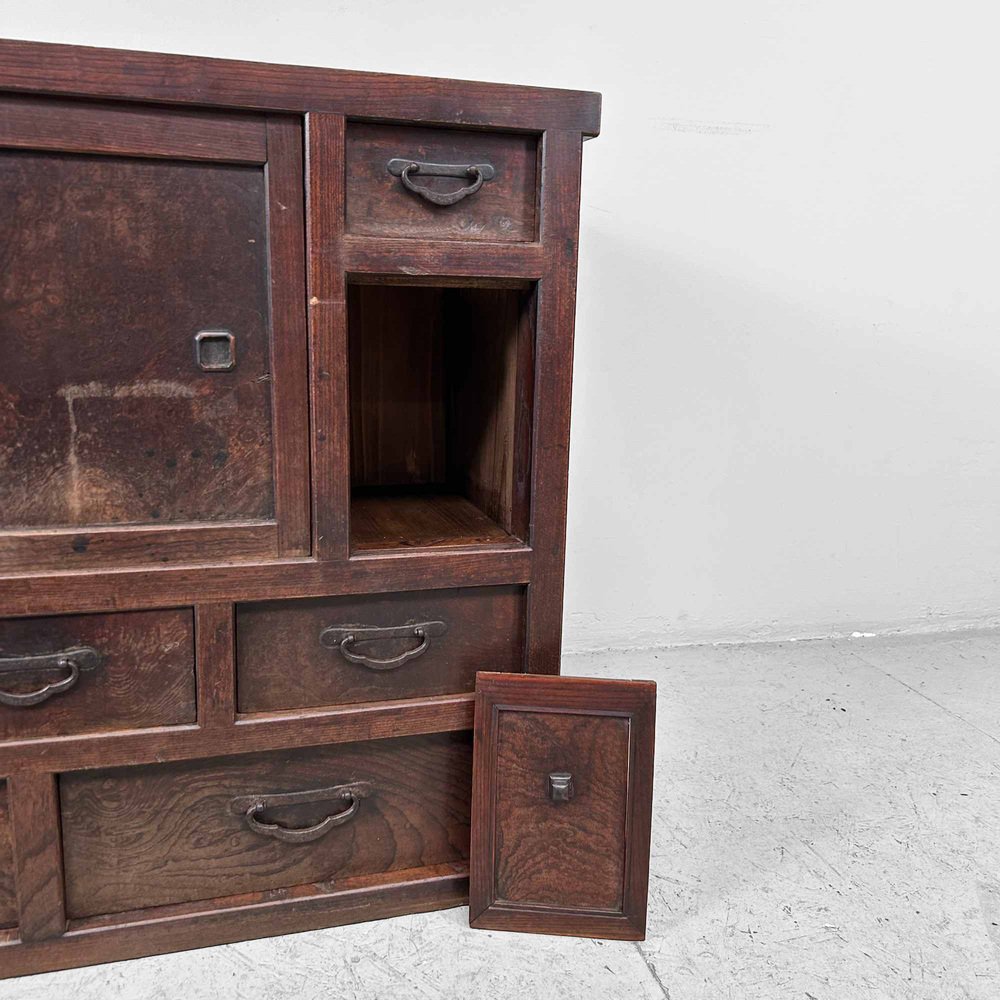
pixel 827 827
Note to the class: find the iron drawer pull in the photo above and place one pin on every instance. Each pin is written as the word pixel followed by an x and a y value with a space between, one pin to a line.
pixel 251 807
pixel 406 169
pixel 344 638
pixel 74 660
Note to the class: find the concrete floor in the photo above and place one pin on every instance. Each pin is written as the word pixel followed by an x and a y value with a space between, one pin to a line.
pixel 826 828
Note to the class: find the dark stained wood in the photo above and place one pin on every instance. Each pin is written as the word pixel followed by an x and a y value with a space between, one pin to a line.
pixel 289 351
pixel 82 127
pixel 8 893
pixel 222 921
pixel 485 630
pixel 553 395
pixel 363 573
pixel 215 665
pixel 146 677
pixel 187 135
pixel 369 258
pixel 328 335
pixel 148 76
pixel 402 520
pixel 139 837
pixel 578 867
pixel 299 728
pixel 441 381
pixel 490 358
pixel 108 420
pixel 34 809
pixel 502 210
pixel 397 385
pixel 72 549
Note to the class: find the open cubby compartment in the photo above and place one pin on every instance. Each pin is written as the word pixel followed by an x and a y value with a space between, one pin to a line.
pixel 441 382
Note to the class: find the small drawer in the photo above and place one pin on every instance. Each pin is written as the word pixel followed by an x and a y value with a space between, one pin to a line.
pixel 93 673
pixel 444 184
pixel 376 647
pixel 175 833
pixel 8 900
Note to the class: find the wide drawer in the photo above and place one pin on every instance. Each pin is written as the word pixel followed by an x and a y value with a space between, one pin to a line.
pixel 72 674
pixel 174 833
pixel 8 901
pixel 435 183
pixel 376 647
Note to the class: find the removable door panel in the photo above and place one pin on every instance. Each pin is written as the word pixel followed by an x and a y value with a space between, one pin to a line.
pixel 140 401
pixel 561 805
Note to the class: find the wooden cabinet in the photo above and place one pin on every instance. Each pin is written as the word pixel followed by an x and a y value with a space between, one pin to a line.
pixel 285 379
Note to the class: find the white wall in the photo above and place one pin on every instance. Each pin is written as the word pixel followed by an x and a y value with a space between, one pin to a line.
pixel 786 412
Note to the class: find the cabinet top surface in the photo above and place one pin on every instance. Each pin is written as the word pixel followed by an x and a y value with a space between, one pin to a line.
pixel 120 74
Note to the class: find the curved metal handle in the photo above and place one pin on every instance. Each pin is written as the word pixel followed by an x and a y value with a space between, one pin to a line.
pixel 76 659
pixel 251 807
pixel 344 638
pixel 405 170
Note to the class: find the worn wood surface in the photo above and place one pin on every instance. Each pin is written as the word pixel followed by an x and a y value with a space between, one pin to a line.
pixel 107 418
pixel 502 210
pixel 8 891
pixel 392 520
pixel 289 351
pixel 396 356
pixel 577 867
pixel 553 396
pixel 151 76
pixel 82 127
pixel 270 517
pixel 216 665
pixel 239 918
pixel 146 677
pixel 485 630
pixel 138 837
pixel 38 870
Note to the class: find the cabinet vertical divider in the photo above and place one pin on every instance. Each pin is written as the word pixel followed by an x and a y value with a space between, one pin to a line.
pixel 215 664
pixel 327 298
pixel 561 158
pixel 38 868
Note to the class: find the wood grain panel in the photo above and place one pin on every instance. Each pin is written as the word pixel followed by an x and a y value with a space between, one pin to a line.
pixel 82 127
pixel 159 835
pixel 567 853
pixel 8 893
pixel 502 210
pixel 396 355
pixel 485 630
pixel 104 416
pixel 146 677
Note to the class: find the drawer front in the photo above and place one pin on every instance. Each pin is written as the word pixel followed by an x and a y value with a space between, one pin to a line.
pixel 383 201
pixel 8 901
pixel 299 654
pixel 93 673
pixel 174 833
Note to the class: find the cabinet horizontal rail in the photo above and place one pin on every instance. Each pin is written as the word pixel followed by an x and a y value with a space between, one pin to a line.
pixel 250 733
pixel 119 590
pixel 238 918
pixel 416 259
pixel 147 76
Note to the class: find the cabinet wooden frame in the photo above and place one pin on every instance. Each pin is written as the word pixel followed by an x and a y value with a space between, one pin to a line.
pixel 291 121
pixel 274 145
